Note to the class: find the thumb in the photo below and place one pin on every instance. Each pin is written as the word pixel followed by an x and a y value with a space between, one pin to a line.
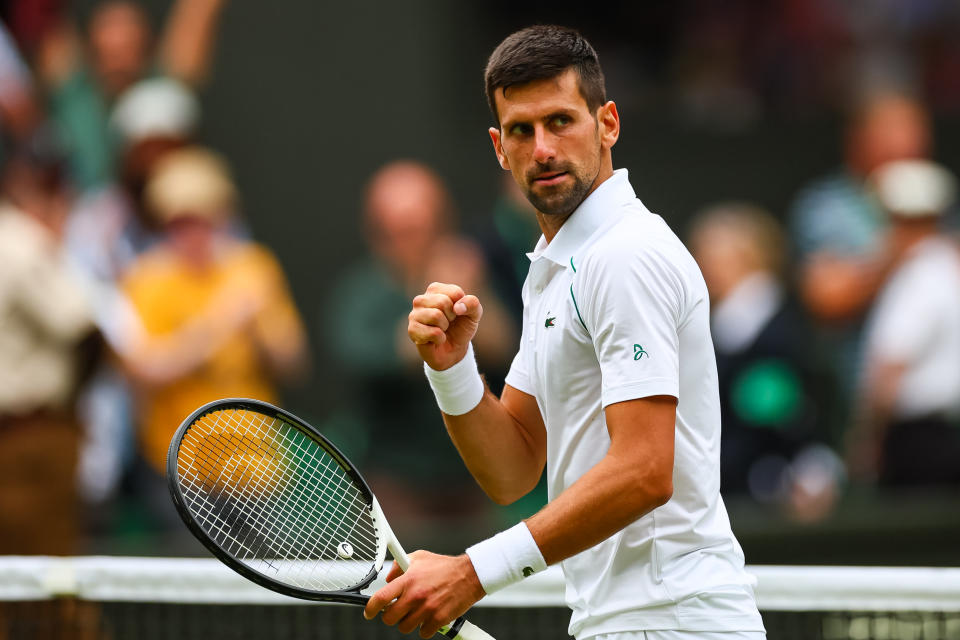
pixel 469 306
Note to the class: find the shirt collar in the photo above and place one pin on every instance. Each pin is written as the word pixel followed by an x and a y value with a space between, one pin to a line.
pixel 592 213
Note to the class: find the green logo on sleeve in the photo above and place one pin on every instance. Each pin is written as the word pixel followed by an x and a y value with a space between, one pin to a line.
pixel 638 352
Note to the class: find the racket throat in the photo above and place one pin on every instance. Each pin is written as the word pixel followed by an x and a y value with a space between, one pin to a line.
pixel 388 541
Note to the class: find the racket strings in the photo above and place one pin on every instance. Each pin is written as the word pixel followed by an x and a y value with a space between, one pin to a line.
pixel 282 550
pixel 296 524
pixel 274 498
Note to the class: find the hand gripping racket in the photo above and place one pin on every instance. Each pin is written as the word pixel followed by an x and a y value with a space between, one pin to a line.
pixel 278 503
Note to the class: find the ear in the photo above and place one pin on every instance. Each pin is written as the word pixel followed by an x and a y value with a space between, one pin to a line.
pixel 498 148
pixel 609 123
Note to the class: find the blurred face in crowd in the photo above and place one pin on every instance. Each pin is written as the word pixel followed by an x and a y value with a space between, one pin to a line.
pixel 722 258
pixel 734 242
pixel 193 238
pixel 39 192
pixel 888 128
pixel 119 44
pixel 557 149
pixel 405 210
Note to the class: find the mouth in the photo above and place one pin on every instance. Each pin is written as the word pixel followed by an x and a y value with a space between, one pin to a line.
pixel 550 178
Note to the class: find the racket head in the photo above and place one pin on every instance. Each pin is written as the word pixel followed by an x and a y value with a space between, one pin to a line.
pixel 276 501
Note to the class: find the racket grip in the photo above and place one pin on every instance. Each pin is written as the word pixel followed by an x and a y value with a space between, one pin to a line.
pixel 467 631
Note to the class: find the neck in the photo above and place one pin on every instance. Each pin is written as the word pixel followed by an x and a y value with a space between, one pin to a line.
pixel 550 224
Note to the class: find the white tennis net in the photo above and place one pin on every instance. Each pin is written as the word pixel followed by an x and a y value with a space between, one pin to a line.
pixel 166 598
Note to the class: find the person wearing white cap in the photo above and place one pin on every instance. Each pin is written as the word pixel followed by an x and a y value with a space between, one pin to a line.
pixel 908 431
pixel 84 75
pixel 105 233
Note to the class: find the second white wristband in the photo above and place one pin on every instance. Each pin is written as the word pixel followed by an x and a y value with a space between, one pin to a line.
pixel 458 389
pixel 506 558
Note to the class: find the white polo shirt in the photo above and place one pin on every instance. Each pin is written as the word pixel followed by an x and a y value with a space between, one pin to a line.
pixel 915 322
pixel 615 308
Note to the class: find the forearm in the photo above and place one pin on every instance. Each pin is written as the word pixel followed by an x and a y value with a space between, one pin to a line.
pixel 189 38
pixel 156 360
pixel 633 478
pixel 159 360
pixel 503 456
pixel 609 497
pixel 502 441
pixel 282 342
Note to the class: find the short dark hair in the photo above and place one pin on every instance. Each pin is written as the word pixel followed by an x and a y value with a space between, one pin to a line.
pixel 540 52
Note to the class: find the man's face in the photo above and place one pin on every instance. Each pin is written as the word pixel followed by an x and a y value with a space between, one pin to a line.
pixel 894 129
pixel 551 141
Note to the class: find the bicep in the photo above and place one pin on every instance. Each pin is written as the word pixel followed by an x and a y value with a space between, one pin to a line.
pixel 642 434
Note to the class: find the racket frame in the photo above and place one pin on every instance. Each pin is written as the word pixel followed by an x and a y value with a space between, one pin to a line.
pixel 387 538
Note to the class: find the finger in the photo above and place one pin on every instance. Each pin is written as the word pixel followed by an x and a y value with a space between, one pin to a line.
pixel 436 301
pixel 411 621
pixel 454 292
pixel 428 629
pixel 432 317
pixel 402 610
pixel 382 598
pixel 422 334
pixel 395 572
pixel 470 307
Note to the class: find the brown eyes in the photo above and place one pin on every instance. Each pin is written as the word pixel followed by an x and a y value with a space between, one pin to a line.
pixel 523 129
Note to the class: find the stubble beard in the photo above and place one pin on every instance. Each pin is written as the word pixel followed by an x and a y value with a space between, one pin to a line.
pixel 559 202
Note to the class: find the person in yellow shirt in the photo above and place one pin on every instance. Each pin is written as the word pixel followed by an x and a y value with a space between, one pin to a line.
pixel 215 315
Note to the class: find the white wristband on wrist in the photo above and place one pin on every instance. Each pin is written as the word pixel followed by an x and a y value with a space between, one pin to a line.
pixel 458 389
pixel 506 558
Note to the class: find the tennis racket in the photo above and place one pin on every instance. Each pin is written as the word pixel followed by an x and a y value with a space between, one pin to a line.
pixel 279 504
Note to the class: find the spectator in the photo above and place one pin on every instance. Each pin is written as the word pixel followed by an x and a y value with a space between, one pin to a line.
pixel 908 432
pixel 106 231
pixel 109 227
pixel 839 232
pixel 19 112
pixel 407 227
pixel 216 314
pixel 771 445
pixel 44 319
pixel 838 228
pixel 119 52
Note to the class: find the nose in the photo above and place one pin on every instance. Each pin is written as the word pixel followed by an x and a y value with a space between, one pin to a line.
pixel 543 149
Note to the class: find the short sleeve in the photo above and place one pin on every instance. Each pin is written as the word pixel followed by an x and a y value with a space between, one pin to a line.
pixel 519 376
pixel 632 299
pixel 904 321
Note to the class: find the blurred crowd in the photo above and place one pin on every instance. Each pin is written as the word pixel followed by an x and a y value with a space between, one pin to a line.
pixel 132 292
pixel 726 65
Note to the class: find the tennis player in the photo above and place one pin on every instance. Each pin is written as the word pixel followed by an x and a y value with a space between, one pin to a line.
pixel 614 388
